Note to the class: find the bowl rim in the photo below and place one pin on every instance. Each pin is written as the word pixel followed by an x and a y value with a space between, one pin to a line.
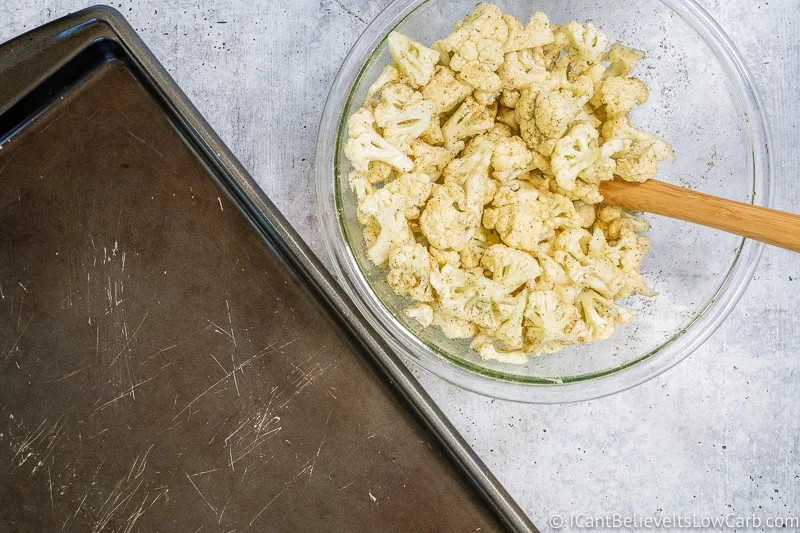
pixel 493 383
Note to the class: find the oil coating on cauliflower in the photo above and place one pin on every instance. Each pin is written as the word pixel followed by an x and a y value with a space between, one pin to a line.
pixel 476 165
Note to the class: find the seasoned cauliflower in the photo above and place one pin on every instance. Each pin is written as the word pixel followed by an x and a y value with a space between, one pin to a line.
pixel 623 59
pixel 415 189
pixel 587 44
pixel 621 95
pixel 510 159
pixel 513 268
pixel 472 297
pixel 475 166
pixel 430 160
pixel 422 313
pixel 445 90
pixel 475 49
pixel 442 222
pixel 415 61
pixel 471 172
pixel 387 210
pixel 536 34
pixel 369 146
pixel 470 119
pixel 403 121
pixel 409 272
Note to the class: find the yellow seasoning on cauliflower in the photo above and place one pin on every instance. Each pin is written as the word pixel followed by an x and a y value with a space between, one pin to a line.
pixel 476 166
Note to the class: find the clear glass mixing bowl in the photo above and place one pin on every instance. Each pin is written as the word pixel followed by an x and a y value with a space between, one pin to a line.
pixel 702 100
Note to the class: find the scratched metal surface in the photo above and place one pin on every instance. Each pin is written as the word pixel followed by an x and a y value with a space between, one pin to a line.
pixel 161 369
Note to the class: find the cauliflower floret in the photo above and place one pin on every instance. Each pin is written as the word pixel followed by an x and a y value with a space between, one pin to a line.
pixel 409 272
pixel 445 225
pixel 638 164
pixel 513 268
pixel 422 313
pixel 587 213
pixel 574 153
pixel 556 110
pixel 604 167
pixel 445 90
pixel 612 220
pixel 523 69
pixel 579 155
pixel 536 34
pixel 360 185
pixel 387 210
pixel 601 315
pixel 453 327
pixel 621 95
pixel 519 219
pixel 415 190
pixel 471 172
pixel 471 255
pixel 510 159
pixel 369 146
pixel 445 257
pixel 623 59
pixel 621 127
pixel 362 121
pixel 472 297
pixel 552 323
pixel 415 61
pixel 587 44
pixel 475 49
pixel 430 160
pixel 379 171
pixel 434 134
pixel 468 120
pixel 544 117
pixel 510 98
pixel 390 74
pixel 404 123
pixel 583 191
pixel 485 346
pixel 626 255
pixel 511 333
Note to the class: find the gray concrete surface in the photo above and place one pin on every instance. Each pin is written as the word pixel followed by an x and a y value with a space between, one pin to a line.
pixel 717 435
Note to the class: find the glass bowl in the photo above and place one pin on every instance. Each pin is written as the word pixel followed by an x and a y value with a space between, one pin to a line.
pixel 702 100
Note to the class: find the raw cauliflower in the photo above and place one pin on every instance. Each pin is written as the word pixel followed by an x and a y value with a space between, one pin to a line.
pixel 475 165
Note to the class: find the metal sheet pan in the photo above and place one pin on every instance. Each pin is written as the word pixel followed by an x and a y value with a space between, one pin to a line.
pixel 160 367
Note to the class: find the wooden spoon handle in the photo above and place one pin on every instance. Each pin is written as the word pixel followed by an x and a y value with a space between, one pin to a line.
pixel 758 223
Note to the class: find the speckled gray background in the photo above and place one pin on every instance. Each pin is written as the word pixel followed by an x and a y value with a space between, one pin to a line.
pixel 717 435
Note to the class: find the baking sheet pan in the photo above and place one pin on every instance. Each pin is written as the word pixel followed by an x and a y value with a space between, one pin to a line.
pixel 173 356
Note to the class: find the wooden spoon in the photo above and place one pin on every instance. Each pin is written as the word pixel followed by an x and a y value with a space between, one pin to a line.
pixel 758 223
